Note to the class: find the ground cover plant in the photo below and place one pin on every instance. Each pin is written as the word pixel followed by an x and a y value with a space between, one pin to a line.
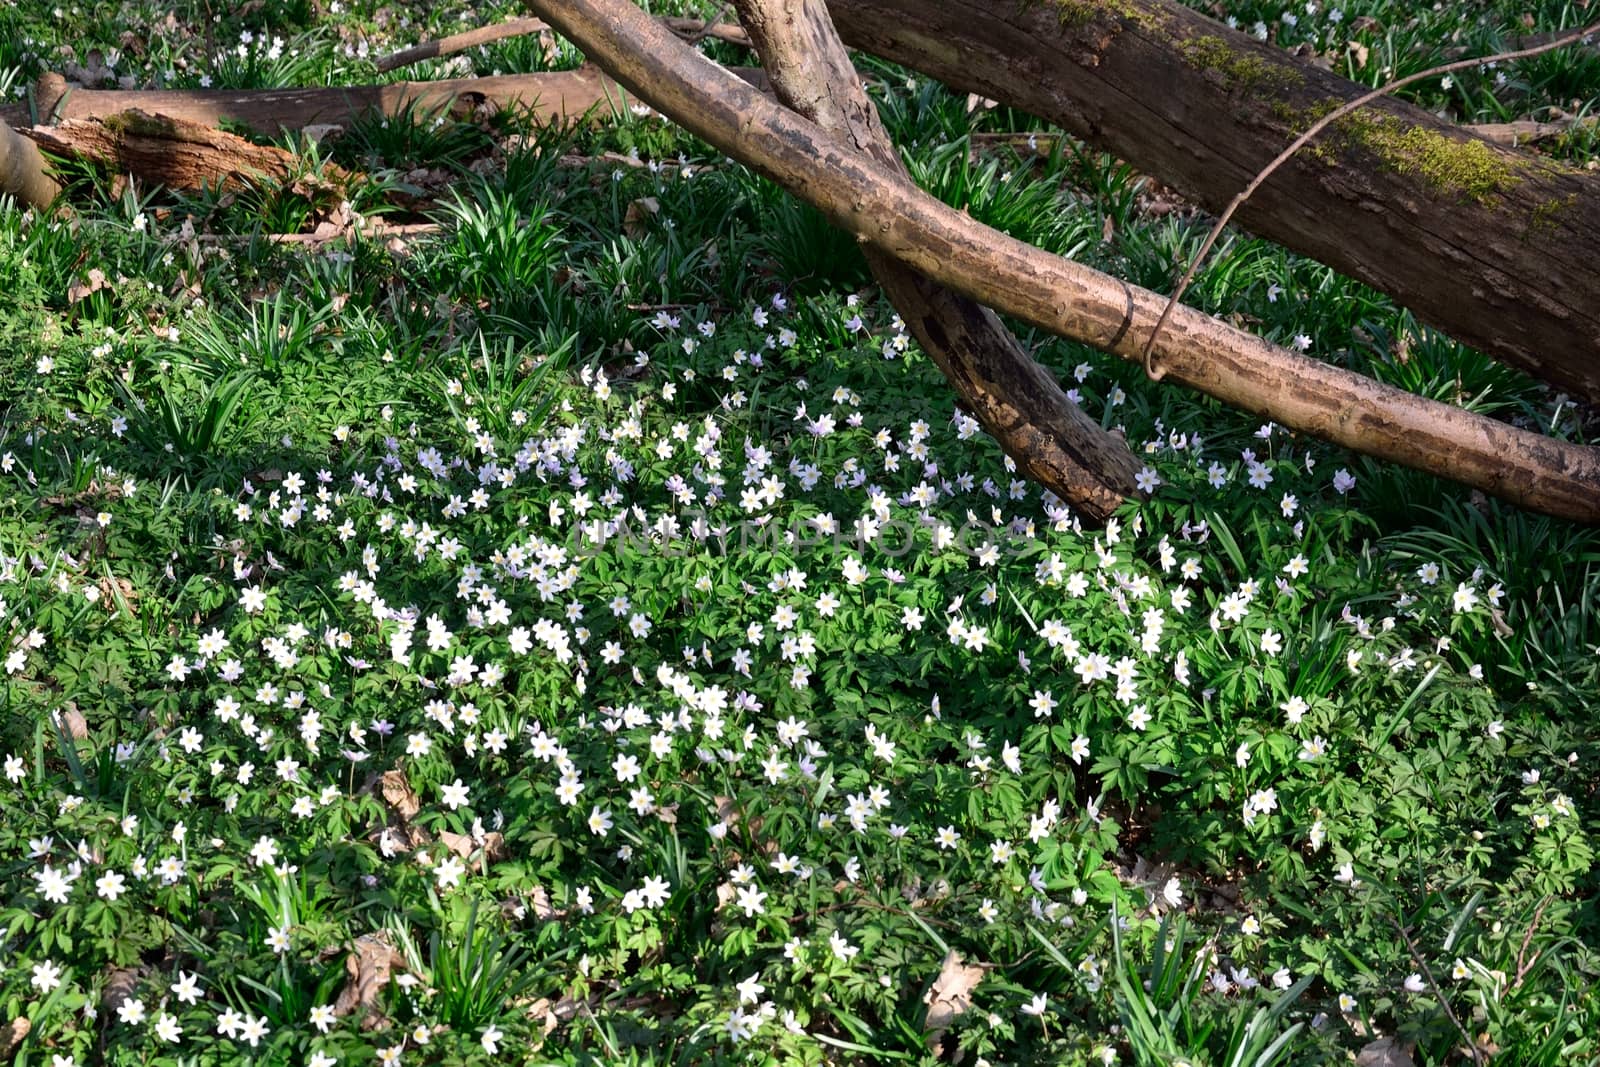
pixel 590 633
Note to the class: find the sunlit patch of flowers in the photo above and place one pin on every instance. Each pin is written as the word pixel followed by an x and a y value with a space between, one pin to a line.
pixel 737 689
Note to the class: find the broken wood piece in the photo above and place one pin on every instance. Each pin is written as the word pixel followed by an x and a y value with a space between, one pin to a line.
pixel 168 151
pixel 1069 299
pixel 24 173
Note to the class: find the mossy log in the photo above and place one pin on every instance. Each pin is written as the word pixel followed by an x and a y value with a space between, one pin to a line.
pixel 885 210
pixel 1492 246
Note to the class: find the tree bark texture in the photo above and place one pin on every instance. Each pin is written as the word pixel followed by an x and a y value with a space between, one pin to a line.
pixel 1018 401
pixel 882 208
pixel 564 96
pixel 1489 245
pixel 24 173
pixel 167 151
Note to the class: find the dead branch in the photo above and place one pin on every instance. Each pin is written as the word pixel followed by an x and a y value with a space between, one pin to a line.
pixel 24 173
pixel 329 232
pixel 692 29
pixel 1067 298
pixel 1528 131
pixel 172 152
pixel 1017 401
pixel 1439 994
pixel 1533 40
pixel 460 42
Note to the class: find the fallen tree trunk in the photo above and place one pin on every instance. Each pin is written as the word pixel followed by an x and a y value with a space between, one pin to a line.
pixel 24 173
pixel 171 152
pixel 563 96
pixel 1018 401
pixel 1066 298
pixel 1492 246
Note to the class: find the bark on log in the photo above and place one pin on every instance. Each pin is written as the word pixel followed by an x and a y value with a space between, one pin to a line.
pixel 560 97
pixel 171 152
pixel 1067 298
pixel 1494 247
pixel 1018 401
pixel 24 173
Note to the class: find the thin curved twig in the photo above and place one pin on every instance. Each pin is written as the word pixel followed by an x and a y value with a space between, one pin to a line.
pixel 1444 1002
pixel 1155 373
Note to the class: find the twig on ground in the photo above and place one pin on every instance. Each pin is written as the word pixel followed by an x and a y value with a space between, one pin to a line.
pixel 710 26
pixel 460 42
pixel 1524 964
pixel 1155 373
pixel 1444 1001
pixel 574 159
pixel 692 30
pixel 1529 131
pixel 696 30
pixel 1529 40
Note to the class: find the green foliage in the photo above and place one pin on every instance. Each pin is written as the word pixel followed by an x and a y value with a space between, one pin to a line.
pixel 601 602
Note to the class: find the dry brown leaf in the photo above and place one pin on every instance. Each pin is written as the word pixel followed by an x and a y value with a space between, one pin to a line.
pixel 398 794
pixel 367 968
pixel 12 1035
pixel 73 724
pixel 1385 1052
pixel 950 996
pixel 1360 53
pixel 463 845
pixel 543 1010
pixel 539 901
pixel 639 211
pixel 93 282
